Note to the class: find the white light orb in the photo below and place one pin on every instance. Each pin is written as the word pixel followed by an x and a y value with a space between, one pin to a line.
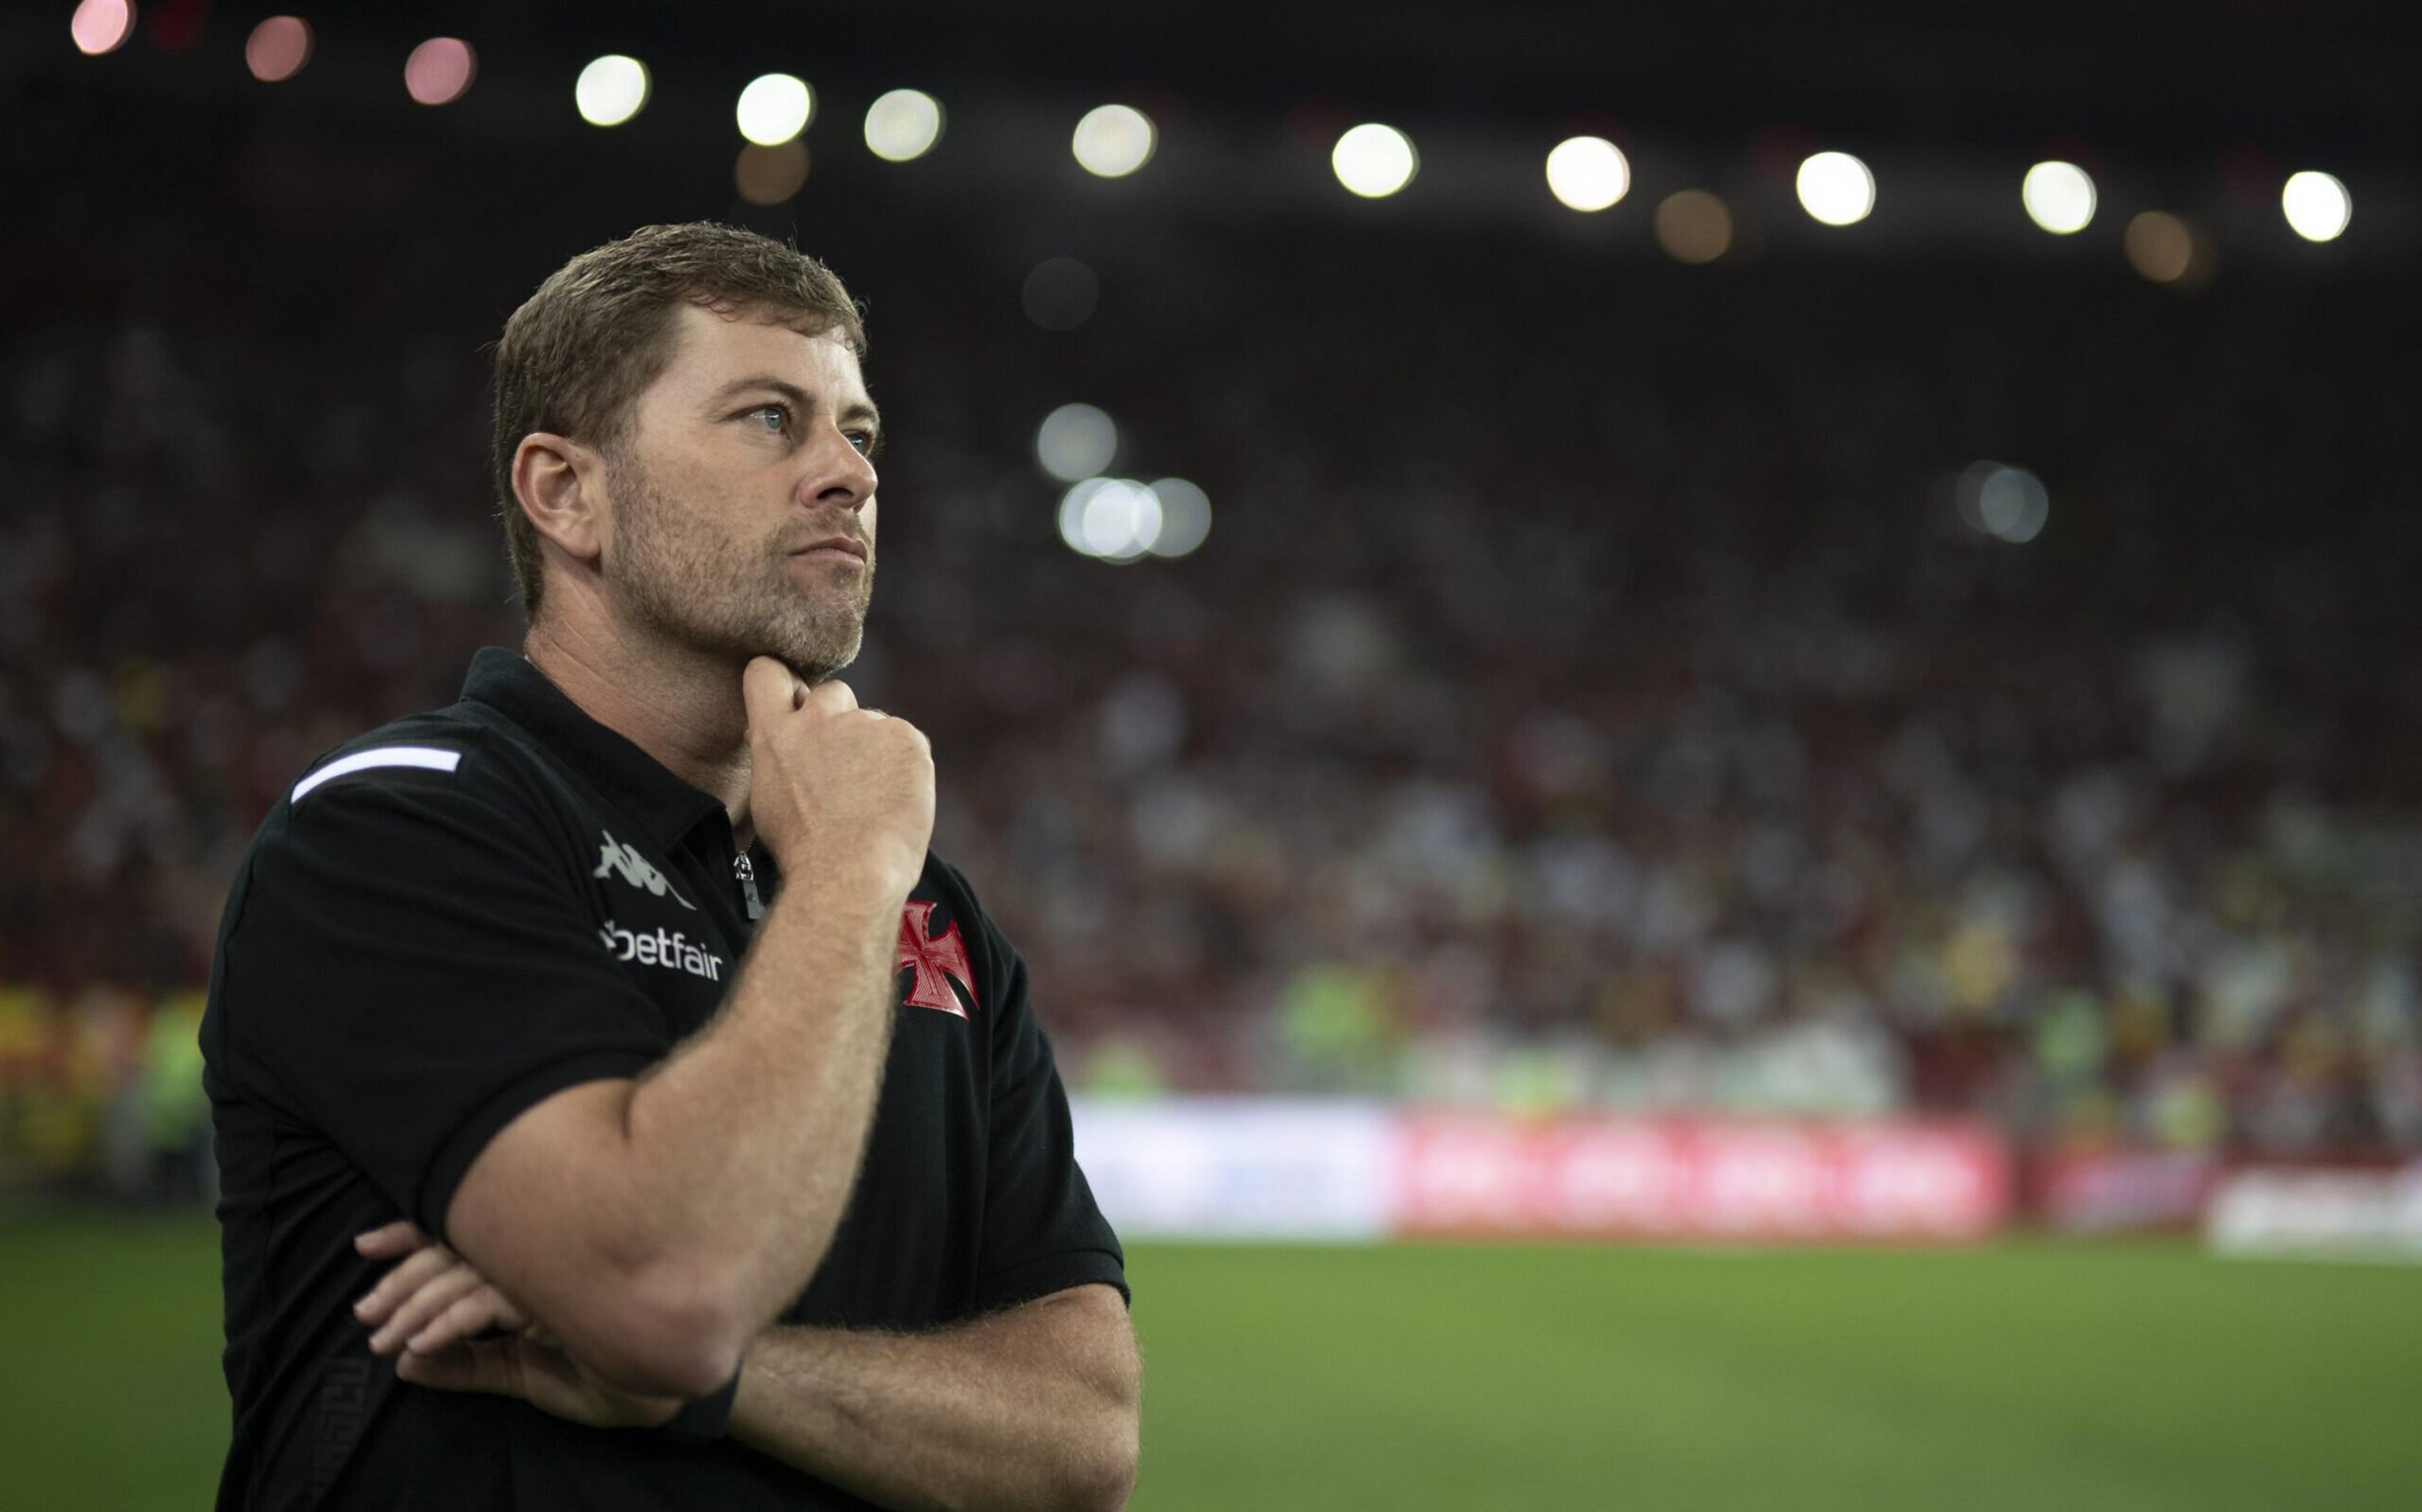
pixel 903 125
pixel 1075 441
pixel 1122 520
pixel 2007 503
pixel 1113 141
pixel 1185 517
pixel 1373 160
pixel 1835 189
pixel 1588 172
pixel 2059 196
pixel 774 108
pixel 612 89
pixel 2318 207
pixel 1071 513
pixel 1115 518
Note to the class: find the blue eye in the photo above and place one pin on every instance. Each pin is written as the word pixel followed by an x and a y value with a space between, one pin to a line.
pixel 782 416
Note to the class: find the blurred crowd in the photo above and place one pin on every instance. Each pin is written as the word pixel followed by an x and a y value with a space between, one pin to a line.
pixel 1590 693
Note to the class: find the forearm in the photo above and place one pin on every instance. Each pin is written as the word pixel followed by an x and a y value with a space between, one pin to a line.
pixel 748 1136
pixel 665 1220
pixel 1034 1408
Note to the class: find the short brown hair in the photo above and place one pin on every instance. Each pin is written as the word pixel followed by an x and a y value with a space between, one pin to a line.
pixel 576 356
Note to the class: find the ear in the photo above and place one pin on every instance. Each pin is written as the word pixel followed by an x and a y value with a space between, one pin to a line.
pixel 561 486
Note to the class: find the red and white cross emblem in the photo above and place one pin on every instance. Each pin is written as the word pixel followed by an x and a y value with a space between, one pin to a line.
pixel 935 962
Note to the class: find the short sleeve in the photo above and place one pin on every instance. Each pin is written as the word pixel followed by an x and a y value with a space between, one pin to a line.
pixel 411 967
pixel 1042 1231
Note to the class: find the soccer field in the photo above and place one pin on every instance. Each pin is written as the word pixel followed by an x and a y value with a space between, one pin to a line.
pixel 2029 1376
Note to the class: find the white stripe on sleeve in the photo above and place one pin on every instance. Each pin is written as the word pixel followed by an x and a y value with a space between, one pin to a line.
pixel 428 757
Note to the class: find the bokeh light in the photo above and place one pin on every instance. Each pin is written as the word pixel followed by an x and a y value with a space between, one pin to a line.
pixel 1185 517
pixel 2318 207
pixel 774 108
pixel 2004 502
pixel 770 175
pixel 1061 294
pixel 903 125
pixel 1113 141
pixel 1694 225
pixel 102 26
pixel 1373 160
pixel 439 71
pixel 278 48
pixel 1835 189
pixel 1588 172
pixel 1075 441
pixel 2059 196
pixel 612 89
pixel 1115 518
pixel 2163 247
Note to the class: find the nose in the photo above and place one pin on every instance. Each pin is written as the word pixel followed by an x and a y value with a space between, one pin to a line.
pixel 844 475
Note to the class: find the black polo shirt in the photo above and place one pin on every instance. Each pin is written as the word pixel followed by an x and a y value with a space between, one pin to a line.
pixel 461 913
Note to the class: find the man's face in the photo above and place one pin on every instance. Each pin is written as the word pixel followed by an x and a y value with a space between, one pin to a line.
pixel 743 503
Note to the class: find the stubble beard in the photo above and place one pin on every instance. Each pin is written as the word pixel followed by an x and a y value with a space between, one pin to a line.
pixel 728 597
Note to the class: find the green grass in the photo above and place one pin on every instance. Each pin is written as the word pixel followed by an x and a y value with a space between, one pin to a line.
pixel 2029 1376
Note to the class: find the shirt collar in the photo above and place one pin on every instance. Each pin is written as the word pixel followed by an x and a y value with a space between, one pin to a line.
pixel 628 777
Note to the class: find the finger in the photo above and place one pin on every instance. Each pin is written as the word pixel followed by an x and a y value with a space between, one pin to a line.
pixel 403 1281
pixel 768 689
pixel 492 1367
pixel 423 1306
pixel 399 1238
pixel 480 1309
pixel 832 696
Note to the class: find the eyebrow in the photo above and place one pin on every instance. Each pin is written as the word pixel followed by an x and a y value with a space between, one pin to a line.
pixel 766 382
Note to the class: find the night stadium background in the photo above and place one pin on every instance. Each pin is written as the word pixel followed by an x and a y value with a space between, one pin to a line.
pixel 1682 855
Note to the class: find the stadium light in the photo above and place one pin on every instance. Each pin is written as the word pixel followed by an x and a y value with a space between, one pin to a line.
pixel 770 175
pixel 1075 441
pixel 1588 172
pixel 2059 196
pixel 2004 502
pixel 439 71
pixel 903 125
pixel 1835 189
pixel 612 89
pixel 1113 141
pixel 102 26
pixel 2160 246
pixel 1373 160
pixel 1184 518
pixel 2316 206
pixel 774 108
pixel 1112 519
pixel 278 48
pixel 1694 225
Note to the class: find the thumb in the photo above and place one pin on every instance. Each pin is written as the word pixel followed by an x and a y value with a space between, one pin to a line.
pixel 769 690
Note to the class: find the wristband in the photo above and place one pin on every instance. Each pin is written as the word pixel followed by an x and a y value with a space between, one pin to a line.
pixel 706 1417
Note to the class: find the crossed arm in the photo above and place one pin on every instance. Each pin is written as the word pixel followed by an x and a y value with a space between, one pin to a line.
pixel 1031 1407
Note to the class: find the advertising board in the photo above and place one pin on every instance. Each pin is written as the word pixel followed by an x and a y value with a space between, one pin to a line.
pixel 1245 1168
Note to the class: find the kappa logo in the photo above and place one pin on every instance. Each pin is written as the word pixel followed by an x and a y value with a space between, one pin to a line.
pixel 622 861
pixel 935 962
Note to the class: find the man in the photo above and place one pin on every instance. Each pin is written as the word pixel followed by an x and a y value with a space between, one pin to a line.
pixel 624 998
